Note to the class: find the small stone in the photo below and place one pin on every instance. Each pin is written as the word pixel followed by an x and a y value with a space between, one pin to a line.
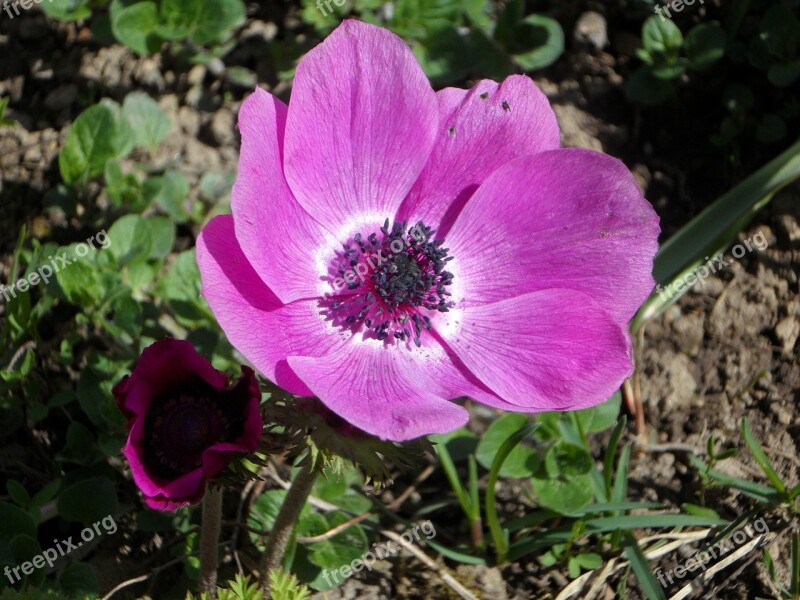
pixel 787 332
pixel 189 121
pixel 61 97
pixel 223 127
pixel 148 72
pixel 260 30
pixel 788 228
pixel 591 30
pixel 577 127
pixel 196 75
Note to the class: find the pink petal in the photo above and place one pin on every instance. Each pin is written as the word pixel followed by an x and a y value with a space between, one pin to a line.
pixel 559 219
pixel 182 487
pixel 546 350
pixel 362 122
pixel 274 231
pixel 477 135
pixel 380 389
pixel 254 320
pixel 163 365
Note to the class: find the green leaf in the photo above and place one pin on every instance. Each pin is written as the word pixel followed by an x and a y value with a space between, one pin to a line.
pixel 79 579
pixel 521 461
pixel 784 74
pixel 127 316
pixel 80 446
pixel 130 240
pixel 653 521
pixel 217 19
pixel 462 555
pixel 661 37
pixel 214 185
pixel 713 229
pixel 780 31
pixel 135 25
pixel 564 496
pixel 604 507
pixel 19 495
pixel 67 10
pixel 499 535
pixel 608 458
pixel 567 460
pixel 15 521
pixel 701 511
pixel 265 509
pixel 162 234
pixel 760 492
pixel 47 493
pixel 705 45
pixel 147 119
pixel 762 460
pixel 443 56
pixel 172 190
pixel 543 40
pixel 25 549
pixel 181 288
pixel 178 18
pixel 645 88
pixel 449 467
pixel 600 417
pixel 84 282
pixel 539 541
pixel 124 189
pixel 460 443
pixel 341 549
pixel 95 137
pixel 88 500
pixel 641 569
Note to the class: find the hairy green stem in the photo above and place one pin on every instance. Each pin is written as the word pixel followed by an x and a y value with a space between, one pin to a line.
pixel 209 539
pixel 284 523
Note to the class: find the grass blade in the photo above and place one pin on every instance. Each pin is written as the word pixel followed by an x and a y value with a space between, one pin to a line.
pixel 499 536
pixel 641 569
pixel 763 461
pixel 712 231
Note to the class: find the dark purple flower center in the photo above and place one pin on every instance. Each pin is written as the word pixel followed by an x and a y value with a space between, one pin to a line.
pixel 389 280
pixel 181 424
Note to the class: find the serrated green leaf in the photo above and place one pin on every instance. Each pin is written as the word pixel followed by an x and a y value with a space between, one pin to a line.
pixel 147 119
pixel 135 25
pixel 95 137
pixel 705 45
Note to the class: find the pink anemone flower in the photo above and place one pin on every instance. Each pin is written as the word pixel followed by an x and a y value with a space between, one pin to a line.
pixel 393 249
pixel 185 422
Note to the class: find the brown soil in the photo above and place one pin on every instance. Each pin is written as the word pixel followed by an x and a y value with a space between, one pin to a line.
pixel 726 350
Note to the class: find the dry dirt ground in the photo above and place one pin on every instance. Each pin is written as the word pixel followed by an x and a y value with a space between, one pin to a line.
pixel 726 350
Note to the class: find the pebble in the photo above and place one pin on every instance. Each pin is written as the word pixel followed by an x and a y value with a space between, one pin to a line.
pixel 787 332
pixel 788 228
pixel 591 29
pixel 223 127
pixel 196 75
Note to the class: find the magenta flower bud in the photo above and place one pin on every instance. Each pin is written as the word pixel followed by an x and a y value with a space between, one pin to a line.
pixel 186 422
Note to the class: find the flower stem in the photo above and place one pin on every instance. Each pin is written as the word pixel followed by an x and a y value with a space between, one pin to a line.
pixel 287 517
pixel 209 539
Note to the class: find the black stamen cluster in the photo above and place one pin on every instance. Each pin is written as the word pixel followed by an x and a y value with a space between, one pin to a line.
pixel 407 270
